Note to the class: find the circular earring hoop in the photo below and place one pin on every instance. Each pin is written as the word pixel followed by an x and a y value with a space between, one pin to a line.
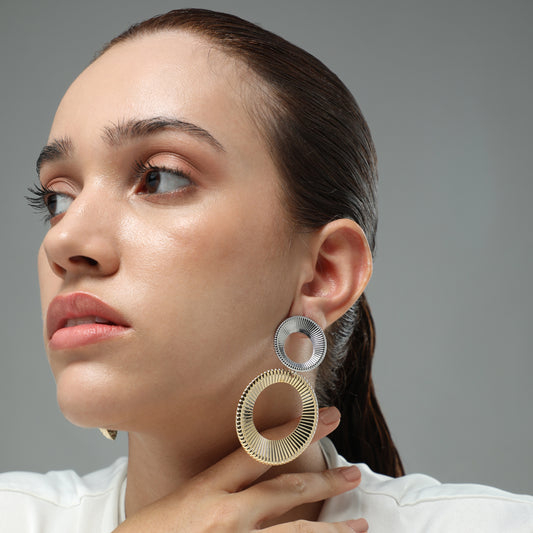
pixel 301 324
pixel 276 452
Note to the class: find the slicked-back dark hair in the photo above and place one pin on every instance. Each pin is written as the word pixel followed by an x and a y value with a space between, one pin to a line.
pixel 324 152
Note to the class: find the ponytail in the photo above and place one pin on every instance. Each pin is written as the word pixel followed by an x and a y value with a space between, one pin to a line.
pixel 363 435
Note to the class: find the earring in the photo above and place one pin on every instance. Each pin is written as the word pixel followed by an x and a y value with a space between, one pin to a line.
pixel 110 434
pixel 281 451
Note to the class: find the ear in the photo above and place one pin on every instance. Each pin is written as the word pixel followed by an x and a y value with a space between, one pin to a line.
pixel 339 269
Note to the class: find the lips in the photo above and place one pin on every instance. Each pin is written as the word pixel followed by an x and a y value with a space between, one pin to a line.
pixel 81 318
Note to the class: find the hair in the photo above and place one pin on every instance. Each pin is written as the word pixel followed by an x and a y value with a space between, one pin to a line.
pixel 322 146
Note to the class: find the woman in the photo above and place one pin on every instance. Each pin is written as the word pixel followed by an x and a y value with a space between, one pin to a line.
pixel 206 180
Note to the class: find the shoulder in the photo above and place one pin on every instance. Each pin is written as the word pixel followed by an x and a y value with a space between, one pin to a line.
pixel 420 503
pixel 29 500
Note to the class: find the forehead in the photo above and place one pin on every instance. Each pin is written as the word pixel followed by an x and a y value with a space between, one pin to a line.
pixel 171 74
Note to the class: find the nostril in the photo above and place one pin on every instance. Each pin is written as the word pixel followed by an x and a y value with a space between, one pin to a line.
pixel 79 259
pixel 58 270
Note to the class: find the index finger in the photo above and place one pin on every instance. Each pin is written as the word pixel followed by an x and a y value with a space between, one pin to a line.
pixel 239 470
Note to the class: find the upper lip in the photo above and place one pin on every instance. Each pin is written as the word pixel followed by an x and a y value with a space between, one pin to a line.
pixel 78 305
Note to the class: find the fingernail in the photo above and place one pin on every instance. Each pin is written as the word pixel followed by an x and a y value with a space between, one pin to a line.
pixel 329 415
pixel 352 473
pixel 359 526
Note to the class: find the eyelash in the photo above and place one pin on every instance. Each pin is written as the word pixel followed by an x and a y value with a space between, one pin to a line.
pixel 142 168
pixel 37 200
pixel 38 194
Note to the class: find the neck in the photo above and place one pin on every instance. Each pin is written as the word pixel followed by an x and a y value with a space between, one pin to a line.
pixel 161 463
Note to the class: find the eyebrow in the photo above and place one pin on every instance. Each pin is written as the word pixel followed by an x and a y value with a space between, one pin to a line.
pixel 124 131
pixel 58 149
pixel 135 129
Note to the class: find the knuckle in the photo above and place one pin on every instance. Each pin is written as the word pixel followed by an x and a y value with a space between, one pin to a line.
pixel 327 484
pixel 336 480
pixel 331 478
pixel 303 526
pixel 294 483
pixel 224 514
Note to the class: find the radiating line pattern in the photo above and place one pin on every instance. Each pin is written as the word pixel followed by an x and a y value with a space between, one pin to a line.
pixel 300 324
pixel 276 452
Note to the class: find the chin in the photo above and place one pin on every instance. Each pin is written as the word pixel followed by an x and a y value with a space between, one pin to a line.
pixel 87 400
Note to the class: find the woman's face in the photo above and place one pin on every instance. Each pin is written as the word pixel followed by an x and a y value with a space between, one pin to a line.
pixel 167 208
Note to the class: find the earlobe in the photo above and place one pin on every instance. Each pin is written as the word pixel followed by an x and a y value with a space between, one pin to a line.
pixel 342 267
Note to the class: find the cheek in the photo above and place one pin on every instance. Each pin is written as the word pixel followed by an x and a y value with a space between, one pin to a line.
pixel 221 245
pixel 237 257
pixel 218 278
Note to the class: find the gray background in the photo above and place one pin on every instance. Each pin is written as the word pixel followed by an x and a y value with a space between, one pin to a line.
pixel 446 88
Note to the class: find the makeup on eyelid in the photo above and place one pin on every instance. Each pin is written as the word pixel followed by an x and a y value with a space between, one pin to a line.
pixel 52 203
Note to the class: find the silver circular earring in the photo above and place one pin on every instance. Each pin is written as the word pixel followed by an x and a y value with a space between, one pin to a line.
pixel 281 451
pixel 301 324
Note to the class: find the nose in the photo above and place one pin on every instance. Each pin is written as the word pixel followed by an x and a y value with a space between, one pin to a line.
pixel 84 241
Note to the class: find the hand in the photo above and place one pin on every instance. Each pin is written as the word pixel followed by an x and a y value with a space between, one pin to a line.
pixel 222 499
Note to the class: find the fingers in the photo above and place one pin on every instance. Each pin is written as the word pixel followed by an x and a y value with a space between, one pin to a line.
pixel 239 470
pixel 303 526
pixel 359 526
pixel 272 498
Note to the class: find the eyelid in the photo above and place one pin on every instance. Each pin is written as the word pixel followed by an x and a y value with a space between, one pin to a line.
pixel 142 167
pixel 165 160
pixel 61 185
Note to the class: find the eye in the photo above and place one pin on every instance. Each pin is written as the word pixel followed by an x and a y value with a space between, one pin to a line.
pixel 159 180
pixel 57 204
pixel 48 201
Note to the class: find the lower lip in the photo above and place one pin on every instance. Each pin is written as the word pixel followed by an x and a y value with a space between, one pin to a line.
pixel 84 334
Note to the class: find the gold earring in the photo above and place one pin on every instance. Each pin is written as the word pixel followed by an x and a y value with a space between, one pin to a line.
pixel 281 451
pixel 110 434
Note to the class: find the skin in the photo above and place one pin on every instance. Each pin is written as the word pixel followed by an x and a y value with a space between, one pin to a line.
pixel 202 269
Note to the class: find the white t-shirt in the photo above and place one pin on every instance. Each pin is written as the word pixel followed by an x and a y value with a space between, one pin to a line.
pixel 63 502
pixel 420 504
